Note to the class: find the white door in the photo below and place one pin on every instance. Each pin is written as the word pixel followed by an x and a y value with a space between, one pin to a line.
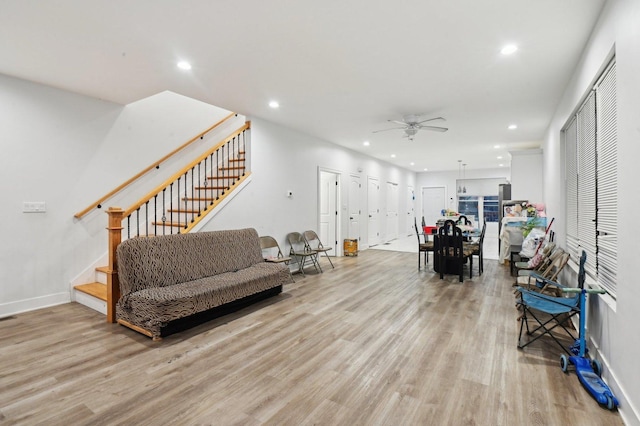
pixel 328 211
pixel 392 211
pixel 433 201
pixel 411 214
pixel 354 207
pixel 373 190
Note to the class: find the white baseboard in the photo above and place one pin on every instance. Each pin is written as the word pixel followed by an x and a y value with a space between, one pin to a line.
pixel 629 413
pixel 26 305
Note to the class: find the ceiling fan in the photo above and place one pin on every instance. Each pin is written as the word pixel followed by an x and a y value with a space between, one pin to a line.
pixel 412 123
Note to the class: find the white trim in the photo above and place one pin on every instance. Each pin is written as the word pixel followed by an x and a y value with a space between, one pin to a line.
pixel 26 305
pixel 339 233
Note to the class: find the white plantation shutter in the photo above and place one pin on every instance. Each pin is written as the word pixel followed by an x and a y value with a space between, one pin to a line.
pixel 607 225
pixel 591 181
pixel 586 118
pixel 571 183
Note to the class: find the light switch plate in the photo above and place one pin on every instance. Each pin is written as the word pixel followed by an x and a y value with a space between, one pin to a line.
pixel 34 207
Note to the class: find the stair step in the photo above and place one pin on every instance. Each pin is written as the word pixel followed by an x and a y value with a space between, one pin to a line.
pixel 185 211
pixel 232 168
pixel 173 224
pixel 97 290
pixel 207 188
pixel 237 159
pixel 224 177
pixel 199 199
pixel 103 269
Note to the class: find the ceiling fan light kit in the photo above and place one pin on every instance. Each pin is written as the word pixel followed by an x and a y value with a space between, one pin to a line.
pixel 410 124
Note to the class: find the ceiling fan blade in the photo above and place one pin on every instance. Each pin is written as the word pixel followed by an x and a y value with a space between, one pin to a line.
pixel 393 128
pixel 404 123
pixel 434 128
pixel 432 119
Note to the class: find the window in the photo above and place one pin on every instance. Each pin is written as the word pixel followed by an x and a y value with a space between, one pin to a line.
pixel 468 205
pixel 591 181
pixel 473 205
pixel 490 208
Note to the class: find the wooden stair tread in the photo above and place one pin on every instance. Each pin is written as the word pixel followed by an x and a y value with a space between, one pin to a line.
pixel 187 211
pixel 173 224
pixel 207 188
pixel 104 269
pixel 224 177
pixel 232 168
pixel 199 199
pixel 97 290
pixel 237 159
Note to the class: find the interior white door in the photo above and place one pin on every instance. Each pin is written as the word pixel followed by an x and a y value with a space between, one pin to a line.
pixel 433 201
pixel 411 207
pixel 373 189
pixel 392 212
pixel 328 211
pixel 354 207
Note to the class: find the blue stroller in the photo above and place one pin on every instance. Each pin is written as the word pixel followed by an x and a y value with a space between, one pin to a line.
pixel 561 309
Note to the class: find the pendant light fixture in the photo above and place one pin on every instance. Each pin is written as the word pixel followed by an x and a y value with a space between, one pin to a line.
pixel 459 176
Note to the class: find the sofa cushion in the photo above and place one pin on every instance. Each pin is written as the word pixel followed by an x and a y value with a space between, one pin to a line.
pixel 154 307
pixel 148 262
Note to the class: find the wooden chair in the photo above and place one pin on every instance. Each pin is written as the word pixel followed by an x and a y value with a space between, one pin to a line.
pixel 271 252
pixel 424 246
pixel 536 281
pixel 451 253
pixel 547 254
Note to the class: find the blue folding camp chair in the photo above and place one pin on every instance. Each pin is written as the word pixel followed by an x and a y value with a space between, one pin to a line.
pixel 550 312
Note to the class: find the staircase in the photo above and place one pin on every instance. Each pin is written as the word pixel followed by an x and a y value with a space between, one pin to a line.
pixel 176 206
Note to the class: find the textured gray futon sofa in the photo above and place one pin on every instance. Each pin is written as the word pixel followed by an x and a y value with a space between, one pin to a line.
pixel 171 282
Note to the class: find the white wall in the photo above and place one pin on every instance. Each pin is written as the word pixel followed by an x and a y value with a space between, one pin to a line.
pixel 526 175
pixel 448 180
pixel 612 326
pixel 67 150
pixel 282 160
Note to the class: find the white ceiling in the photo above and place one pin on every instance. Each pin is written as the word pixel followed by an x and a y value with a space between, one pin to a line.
pixel 338 68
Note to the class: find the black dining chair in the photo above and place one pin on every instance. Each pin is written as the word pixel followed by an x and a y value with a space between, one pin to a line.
pixel 452 254
pixel 424 245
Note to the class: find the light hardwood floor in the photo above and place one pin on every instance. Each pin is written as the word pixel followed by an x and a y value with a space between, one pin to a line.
pixel 373 341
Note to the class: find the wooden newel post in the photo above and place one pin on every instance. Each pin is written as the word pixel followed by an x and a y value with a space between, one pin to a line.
pixel 115 237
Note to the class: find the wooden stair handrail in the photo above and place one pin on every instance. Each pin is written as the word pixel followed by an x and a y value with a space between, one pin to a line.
pixel 178 174
pixel 98 203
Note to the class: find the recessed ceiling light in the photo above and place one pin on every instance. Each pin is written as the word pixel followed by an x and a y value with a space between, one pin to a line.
pixel 274 104
pixel 366 143
pixel 499 157
pixel 412 163
pixel 393 156
pixel 425 169
pixel 496 146
pixel 501 165
pixel 512 126
pixel 509 49
pixel 184 65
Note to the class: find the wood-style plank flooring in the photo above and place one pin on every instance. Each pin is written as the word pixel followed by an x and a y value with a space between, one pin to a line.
pixel 372 342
